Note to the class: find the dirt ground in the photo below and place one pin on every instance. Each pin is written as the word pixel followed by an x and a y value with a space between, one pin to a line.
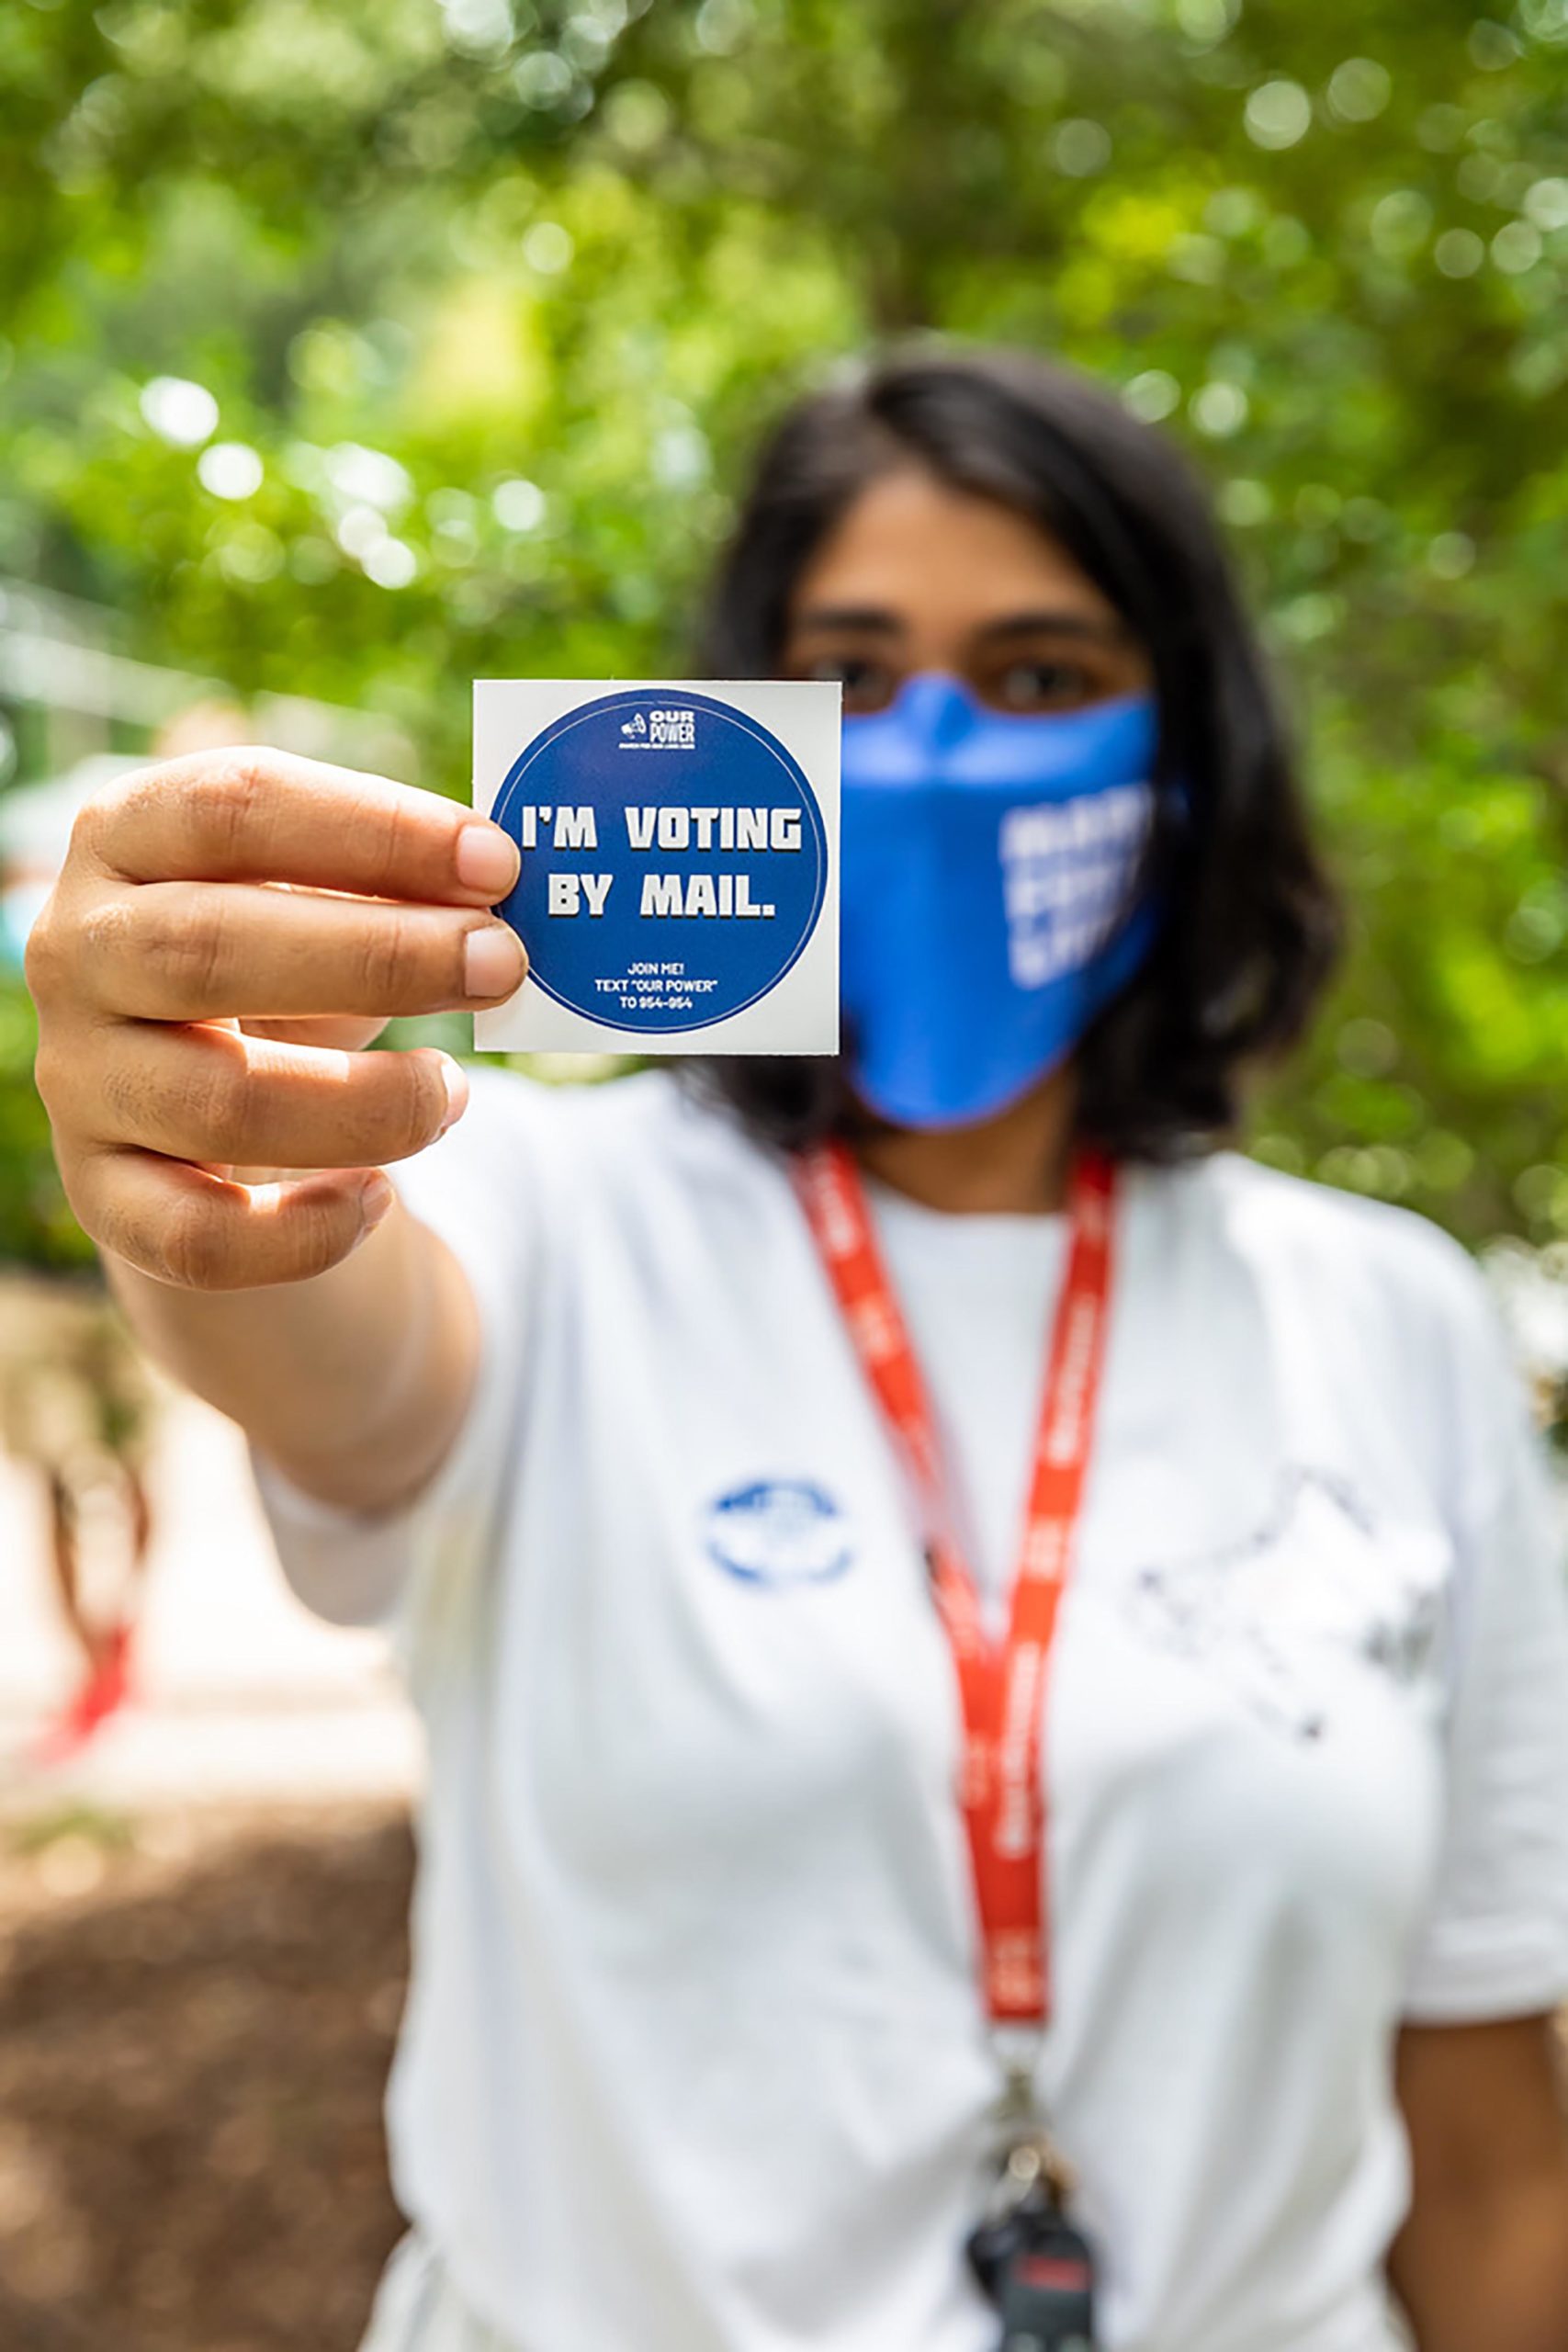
pixel 196 2013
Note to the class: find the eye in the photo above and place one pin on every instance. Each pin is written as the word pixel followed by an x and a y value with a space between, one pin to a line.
pixel 1043 685
pixel 868 684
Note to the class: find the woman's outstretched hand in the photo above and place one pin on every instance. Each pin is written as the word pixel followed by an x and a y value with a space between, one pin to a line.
pixel 196 1017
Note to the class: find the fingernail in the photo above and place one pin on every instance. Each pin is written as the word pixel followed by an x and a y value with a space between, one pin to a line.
pixel 493 962
pixel 454 1080
pixel 375 1197
pixel 487 861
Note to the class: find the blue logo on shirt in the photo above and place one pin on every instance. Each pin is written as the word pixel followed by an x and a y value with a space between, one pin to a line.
pixel 779 1531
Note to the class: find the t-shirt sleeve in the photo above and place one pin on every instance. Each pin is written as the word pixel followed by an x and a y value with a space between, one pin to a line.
pixel 1496 1940
pixel 475 1189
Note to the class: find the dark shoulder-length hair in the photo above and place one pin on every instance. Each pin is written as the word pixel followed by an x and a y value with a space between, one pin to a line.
pixel 1252 926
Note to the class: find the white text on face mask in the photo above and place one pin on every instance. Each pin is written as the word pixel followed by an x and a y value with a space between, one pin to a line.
pixel 1068 872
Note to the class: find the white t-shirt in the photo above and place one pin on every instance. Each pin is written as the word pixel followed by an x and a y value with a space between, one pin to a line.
pixel 693 2059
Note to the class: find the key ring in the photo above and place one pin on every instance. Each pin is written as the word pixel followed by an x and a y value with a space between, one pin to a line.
pixel 1030 2168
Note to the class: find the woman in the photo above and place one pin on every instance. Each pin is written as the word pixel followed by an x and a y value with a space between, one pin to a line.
pixel 737 2009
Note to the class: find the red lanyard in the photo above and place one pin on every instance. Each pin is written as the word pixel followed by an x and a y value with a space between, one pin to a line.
pixel 1001 1685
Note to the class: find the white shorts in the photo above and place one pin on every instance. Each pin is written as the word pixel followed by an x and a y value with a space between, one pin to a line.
pixel 417 2308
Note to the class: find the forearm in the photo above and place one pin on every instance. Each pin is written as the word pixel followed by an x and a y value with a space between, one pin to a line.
pixel 1489 2274
pixel 352 1383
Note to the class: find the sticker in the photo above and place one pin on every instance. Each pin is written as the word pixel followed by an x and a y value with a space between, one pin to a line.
pixel 676 890
pixel 779 1531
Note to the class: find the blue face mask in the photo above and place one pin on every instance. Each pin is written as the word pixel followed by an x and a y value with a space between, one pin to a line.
pixel 992 905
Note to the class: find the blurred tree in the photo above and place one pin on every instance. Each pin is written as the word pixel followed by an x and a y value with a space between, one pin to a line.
pixel 359 347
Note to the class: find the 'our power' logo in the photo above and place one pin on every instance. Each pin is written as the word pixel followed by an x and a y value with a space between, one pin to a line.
pixel 660 730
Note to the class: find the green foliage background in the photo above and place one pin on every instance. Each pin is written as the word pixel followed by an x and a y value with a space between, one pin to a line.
pixel 592 248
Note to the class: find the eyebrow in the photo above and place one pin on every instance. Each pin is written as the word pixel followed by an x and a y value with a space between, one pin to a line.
pixel 875 620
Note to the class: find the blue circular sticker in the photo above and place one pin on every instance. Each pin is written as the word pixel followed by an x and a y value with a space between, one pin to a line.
pixel 673 859
pixel 779 1531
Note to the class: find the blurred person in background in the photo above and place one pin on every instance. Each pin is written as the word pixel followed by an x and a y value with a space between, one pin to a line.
pixel 77 1406
pixel 996 1673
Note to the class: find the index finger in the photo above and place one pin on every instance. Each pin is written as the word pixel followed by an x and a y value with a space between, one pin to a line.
pixel 263 816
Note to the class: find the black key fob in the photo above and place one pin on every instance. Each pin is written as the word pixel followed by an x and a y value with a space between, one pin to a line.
pixel 990 2249
pixel 1044 2285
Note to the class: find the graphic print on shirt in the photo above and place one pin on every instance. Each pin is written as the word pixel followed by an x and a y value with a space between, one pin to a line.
pixel 778 1532
pixel 1319 1577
